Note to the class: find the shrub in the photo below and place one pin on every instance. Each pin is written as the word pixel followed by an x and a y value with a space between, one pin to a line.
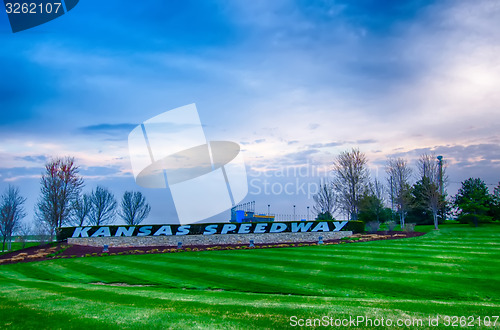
pixel 391 225
pixel 355 226
pixel 373 226
pixel 409 227
pixel 474 219
pixel 325 216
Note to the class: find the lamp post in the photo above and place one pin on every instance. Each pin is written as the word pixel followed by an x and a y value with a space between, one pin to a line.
pixel 440 163
pixel 307 218
pixel 268 209
pixel 294 213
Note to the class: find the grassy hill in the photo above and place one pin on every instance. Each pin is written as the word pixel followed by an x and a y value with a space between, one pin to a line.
pixel 451 272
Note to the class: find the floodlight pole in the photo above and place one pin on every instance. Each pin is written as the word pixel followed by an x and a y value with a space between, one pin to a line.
pixel 440 163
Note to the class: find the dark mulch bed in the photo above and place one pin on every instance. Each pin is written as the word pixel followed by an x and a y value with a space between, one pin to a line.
pixel 64 250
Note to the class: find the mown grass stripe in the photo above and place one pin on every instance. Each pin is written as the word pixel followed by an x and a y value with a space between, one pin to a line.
pixel 385 257
pixel 122 308
pixel 283 259
pixel 342 251
pixel 338 272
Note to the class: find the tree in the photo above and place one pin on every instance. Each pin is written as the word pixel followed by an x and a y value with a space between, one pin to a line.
pixel 103 208
pixel 427 205
pixel 496 191
pixel 24 230
pixel 134 208
pixel 377 189
pixel 473 201
pixel 11 213
pixel 371 205
pixel 428 167
pixel 495 208
pixel 430 184
pixel 60 186
pixel 434 199
pixel 325 202
pixel 351 180
pixel 371 209
pixel 80 209
pixel 399 175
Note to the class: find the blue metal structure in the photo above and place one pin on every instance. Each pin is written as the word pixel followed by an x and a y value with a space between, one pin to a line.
pixel 246 213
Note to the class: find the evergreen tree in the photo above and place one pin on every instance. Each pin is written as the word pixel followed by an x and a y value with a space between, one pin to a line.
pixel 474 202
pixel 421 208
pixel 371 208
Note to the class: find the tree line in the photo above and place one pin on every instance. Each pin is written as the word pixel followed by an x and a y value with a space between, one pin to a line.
pixel 353 194
pixel 62 203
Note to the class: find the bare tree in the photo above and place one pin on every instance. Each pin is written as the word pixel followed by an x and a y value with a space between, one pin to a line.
pixel 60 185
pixel 434 200
pixel 325 199
pixel 80 209
pixel 24 230
pixel 43 232
pixel 134 208
pixel 430 177
pixel 428 167
pixel 377 189
pixel 351 180
pixel 11 213
pixel 399 175
pixel 103 207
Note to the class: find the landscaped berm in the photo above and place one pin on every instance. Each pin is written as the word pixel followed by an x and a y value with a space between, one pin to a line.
pixel 444 278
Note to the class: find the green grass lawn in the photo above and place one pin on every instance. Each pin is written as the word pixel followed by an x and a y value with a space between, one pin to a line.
pixel 17 246
pixel 451 272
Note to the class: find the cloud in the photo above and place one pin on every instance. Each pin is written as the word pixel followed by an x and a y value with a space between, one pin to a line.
pixel 34 159
pixel 100 171
pixel 297 158
pixel 462 162
pixel 279 75
pixel 367 141
pixel 108 129
pixel 19 173
pixel 325 145
pixel 463 156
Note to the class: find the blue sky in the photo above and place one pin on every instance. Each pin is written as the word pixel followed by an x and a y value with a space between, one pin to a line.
pixel 293 82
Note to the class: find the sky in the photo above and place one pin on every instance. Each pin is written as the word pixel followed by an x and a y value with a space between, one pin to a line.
pixel 293 82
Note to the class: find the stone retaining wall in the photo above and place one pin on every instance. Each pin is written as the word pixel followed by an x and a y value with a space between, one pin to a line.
pixel 215 239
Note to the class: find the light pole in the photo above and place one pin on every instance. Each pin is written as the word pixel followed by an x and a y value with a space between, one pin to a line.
pixel 268 209
pixel 307 218
pixel 440 163
pixel 294 213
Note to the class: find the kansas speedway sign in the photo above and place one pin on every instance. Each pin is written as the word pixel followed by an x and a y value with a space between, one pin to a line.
pixel 202 229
